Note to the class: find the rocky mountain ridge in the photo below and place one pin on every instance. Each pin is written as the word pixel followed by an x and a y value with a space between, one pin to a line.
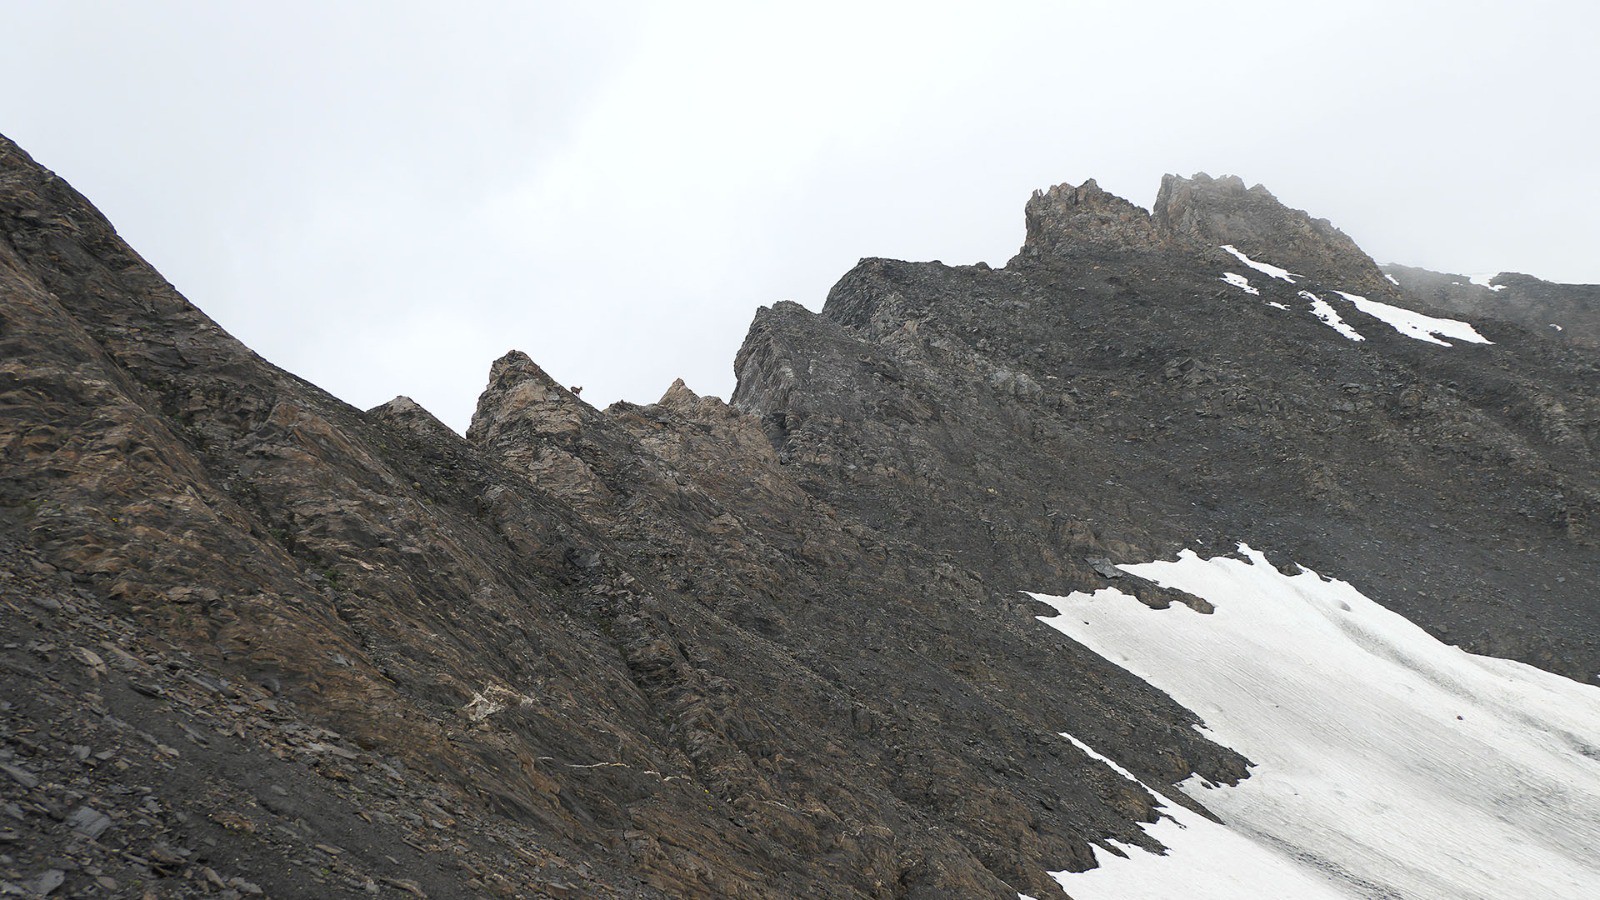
pixel 1196 215
pixel 1194 412
pixel 765 648
pixel 1564 312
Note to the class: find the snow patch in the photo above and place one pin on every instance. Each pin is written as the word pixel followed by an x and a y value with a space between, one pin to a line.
pixel 1482 280
pixel 1415 324
pixel 1387 764
pixel 1330 316
pixel 1391 279
pixel 1213 861
pixel 1556 327
pixel 1263 268
pixel 1240 282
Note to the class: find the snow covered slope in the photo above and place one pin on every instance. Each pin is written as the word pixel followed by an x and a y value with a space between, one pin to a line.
pixel 1387 764
pixel 1413 324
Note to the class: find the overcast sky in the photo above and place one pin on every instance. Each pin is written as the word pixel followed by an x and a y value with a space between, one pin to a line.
pixel 384 197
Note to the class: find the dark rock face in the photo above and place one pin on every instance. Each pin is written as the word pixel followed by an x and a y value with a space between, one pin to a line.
pixel 698 503
pixel 582 653
pixel 1203 212
pixel 1081 404
pixel 767 649
pixel 1066 218
pixel 1197 216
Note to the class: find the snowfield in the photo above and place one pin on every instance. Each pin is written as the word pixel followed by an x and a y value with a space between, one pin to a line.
pixel 1217 862
pixel 1330 317
pixel 1485 279
pixel 1415 324
pixel 1259 266
pixel 1240 282
pixel 1411 324
pixel 1386 763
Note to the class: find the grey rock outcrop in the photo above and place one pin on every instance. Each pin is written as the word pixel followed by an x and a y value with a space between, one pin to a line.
pixel 1085 218
pixel 1205 213
pixel 1198 216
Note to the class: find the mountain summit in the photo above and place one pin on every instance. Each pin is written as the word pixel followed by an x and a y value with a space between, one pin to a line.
pixel 1210 212
pixel 1198 216
pixel 259 642
pixel 1067 219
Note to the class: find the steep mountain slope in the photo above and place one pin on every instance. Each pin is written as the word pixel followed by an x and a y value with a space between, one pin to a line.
pixel 1127 387
pixel 612 653
pixel 258 640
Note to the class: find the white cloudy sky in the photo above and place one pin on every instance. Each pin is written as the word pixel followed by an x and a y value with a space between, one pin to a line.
pixel 384 197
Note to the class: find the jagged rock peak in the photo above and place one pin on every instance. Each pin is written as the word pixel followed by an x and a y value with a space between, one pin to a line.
pixel 1085 217
pixel 1198 214
pixel 678 395
pixel 765 366
pixel 518 366
pixel 786 309
pixel 407 413
pixel 400 405
pixel 521 394
pixel 1211 211
pixel 1205 213
pixel 1226 186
